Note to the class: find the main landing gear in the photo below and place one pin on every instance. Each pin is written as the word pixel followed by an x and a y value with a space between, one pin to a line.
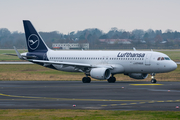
pixel 86 79
pixel 153 80
pixel 112 79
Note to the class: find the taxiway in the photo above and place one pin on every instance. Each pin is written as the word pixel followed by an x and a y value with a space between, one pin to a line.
pixel 136 95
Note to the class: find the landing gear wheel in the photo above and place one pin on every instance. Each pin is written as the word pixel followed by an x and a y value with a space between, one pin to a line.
pixel 86 79
pixel 153 81
pixel 112 80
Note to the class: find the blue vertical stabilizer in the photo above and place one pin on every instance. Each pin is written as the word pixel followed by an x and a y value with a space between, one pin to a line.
pixel 34 41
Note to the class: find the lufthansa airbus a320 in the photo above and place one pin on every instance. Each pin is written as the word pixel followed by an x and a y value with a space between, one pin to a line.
pixel 101 65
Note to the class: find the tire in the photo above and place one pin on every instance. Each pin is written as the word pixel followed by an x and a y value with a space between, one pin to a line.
pixel 86 79
pixel 153 81
pixel 112 80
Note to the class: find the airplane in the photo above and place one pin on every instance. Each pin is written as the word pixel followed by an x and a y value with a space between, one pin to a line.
pixel 100 65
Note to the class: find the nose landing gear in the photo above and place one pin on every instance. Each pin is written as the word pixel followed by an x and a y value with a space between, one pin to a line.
pixel 153 80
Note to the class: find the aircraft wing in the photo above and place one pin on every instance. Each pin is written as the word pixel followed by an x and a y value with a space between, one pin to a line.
pixel 62 63
pixel 71 64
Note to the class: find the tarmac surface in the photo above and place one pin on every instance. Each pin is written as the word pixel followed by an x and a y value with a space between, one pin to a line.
pixel 136 95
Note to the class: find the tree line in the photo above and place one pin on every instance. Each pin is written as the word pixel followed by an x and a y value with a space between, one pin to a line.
pixel 139 38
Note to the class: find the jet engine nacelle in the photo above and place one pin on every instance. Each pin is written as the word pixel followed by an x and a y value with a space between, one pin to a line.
pixel 100 73
pixel 138 75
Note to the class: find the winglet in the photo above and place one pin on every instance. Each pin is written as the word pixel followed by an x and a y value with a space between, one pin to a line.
pixel 18 54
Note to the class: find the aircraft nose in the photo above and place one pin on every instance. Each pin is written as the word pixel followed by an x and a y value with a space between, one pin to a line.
pixel 173 65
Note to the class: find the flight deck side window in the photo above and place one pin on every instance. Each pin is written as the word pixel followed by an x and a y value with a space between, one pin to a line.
pixel 166 58
pixel 159 58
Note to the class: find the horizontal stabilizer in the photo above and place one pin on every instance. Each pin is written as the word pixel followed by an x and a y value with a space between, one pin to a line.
pixel 27 57
pixel 9 54
pixel 23 57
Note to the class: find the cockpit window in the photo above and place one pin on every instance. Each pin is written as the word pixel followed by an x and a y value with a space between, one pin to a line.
pixel 166 58
pixel 163 58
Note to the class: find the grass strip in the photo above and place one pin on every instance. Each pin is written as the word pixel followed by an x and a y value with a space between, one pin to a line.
pixel 36 72
pixel 62 114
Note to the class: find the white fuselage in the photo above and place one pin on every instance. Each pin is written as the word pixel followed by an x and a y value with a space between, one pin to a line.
pixel 121 61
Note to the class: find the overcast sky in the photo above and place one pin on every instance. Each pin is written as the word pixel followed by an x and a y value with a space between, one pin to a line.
pixel 66 16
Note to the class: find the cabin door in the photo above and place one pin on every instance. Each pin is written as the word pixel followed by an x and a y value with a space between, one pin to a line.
pixel 147 59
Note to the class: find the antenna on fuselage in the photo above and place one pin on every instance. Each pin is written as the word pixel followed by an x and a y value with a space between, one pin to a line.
pixel 134 48
pixel 151 50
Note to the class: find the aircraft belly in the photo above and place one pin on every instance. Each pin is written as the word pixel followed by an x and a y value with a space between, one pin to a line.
pixel 65 68
pixel 117 69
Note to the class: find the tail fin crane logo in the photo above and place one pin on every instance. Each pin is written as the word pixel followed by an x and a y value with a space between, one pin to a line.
pixel 33 41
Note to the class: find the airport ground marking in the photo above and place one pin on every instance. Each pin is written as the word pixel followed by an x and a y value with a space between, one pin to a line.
pixel 103 105
pixel 133 103
pixel 148 102
pixel 142 102
pixel 74 99
pixel 123 104
pixel 113 104
pixel 145 84
pixel 151 102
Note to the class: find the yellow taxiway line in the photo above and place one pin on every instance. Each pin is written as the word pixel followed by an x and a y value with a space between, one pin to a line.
pixel 129 102
pixel 74 99
pixel 145 84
